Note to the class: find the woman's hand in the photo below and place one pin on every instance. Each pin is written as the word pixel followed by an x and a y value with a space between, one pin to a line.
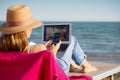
pixel 55 48
pixel 48 44
pixel 52 47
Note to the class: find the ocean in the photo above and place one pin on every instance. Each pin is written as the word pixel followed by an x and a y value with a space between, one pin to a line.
pixel 93 37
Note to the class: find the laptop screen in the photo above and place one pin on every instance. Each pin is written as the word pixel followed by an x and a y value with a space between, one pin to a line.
pixel 62 29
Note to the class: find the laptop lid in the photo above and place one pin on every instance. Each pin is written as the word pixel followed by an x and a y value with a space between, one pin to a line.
pixel 49 30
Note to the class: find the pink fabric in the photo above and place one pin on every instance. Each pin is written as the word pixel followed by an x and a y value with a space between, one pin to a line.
pixel 39 66
pixel 81 77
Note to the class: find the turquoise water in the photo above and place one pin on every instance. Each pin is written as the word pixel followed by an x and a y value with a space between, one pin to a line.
pixel 93 37
pixel 98 37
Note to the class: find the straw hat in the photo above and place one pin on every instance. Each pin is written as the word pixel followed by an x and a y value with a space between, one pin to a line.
pixel 19 18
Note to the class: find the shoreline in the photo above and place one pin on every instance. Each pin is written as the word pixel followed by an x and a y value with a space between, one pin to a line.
pixel 113 59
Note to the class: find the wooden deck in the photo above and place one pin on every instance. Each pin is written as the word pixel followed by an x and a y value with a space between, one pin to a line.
pixel 107 67
pixel 104 70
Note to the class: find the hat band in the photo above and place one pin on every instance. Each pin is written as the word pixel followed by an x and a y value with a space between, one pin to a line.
pixel 20 23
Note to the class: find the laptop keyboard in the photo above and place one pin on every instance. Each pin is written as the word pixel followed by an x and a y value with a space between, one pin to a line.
pixel 63 47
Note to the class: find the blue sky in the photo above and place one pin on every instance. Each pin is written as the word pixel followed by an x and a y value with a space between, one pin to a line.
pixel 68 10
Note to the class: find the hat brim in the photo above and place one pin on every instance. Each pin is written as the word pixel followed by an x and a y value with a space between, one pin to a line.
pixel 4 28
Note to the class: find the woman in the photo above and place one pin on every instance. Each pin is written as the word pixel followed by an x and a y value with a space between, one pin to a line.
pixel 17 30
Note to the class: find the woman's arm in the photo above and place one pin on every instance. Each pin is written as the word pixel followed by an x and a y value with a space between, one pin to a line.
pixel 47 46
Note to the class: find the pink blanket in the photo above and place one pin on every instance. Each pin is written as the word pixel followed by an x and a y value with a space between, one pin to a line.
pixel 39 66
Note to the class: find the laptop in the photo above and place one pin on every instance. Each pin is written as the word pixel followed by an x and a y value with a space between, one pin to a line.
pixel 60 31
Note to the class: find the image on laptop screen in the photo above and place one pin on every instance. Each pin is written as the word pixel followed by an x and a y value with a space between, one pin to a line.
pixel 50 30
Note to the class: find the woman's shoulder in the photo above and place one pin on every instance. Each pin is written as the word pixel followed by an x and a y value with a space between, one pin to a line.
pixel 37 48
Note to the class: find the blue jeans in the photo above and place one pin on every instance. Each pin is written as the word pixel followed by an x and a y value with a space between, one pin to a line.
pixel 74 52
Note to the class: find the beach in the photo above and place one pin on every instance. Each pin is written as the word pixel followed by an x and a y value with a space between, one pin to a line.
pixel 94 23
